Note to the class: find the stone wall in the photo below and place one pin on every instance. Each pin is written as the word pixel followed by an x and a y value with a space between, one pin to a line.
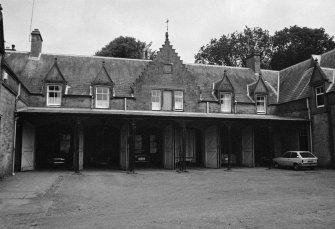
pixel 7 106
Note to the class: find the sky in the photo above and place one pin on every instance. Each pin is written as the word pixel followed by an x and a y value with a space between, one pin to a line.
pixel 82 27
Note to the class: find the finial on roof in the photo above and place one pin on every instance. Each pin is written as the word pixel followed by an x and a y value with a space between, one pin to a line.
pixel 224 73
pixel 167 29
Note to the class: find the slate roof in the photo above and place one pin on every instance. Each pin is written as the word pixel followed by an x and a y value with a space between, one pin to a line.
pixel 294 80
pixel 206 75
pixel 80 71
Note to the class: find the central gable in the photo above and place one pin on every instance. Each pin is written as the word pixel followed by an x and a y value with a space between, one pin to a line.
pixel 166 72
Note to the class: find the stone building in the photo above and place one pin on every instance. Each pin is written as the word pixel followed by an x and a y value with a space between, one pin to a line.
pixel 87 111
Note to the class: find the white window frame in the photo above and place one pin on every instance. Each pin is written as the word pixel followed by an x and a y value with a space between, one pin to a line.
pixel 56 100
pixel 178 100
pixel 156 100
pixel 319 91
pixel 104 93
pixel 225 101
pixel 261 104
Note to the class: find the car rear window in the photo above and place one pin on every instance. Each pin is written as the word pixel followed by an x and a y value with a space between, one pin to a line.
pixel 306 155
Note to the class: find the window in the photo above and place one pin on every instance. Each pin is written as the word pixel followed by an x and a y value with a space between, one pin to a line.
pixel 178 100
pixel 167 69
pixel 101 97
pixel 54 95
pixel 155 100
pixel 260 104
pixel 167 100
pixel 319 96
pixel 294 155
pixel 225 100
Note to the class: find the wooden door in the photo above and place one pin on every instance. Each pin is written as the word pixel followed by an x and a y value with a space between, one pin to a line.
pixel 167 100
pixel 211 147
pixel 28 147
pixel 247 146
pixel 169 147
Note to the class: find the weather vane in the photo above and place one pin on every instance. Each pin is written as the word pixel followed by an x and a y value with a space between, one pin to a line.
pixel 167 25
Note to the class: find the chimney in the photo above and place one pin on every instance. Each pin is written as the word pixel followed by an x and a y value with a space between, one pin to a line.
pixel 36 43
pixel 253 61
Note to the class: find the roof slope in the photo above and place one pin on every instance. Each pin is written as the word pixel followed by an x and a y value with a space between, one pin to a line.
pixel 78 71
pixel 206 75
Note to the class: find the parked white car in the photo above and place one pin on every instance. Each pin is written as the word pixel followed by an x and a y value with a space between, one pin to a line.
pixel 296 160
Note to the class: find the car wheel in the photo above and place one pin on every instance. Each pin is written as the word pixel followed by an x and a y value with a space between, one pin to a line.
pixel 275 165
pixel 295 166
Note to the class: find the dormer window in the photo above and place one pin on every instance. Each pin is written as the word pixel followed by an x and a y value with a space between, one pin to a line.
pixel 319 96
pixel 261 104
pixel 225 101
pixel 102 97
pixel 54 95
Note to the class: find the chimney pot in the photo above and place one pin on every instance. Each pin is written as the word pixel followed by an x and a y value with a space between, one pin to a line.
pixel 36 43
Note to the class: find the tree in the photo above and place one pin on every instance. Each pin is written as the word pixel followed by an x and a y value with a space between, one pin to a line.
pixel 127 47
pixel 295 44
pixel 233 49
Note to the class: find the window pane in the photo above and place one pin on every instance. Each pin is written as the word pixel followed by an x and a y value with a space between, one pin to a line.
pixel 155 99
pixel 225 100
pixel 54 95
pixel 178 100
pixel 260 104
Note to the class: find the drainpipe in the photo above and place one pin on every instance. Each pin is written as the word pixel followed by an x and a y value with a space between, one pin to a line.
pixel 125 104
pixel 92 97
pixel 310 125
pixel 14 129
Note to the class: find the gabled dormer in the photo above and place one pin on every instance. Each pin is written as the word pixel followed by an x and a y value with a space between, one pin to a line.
pixel 54 84
pixel 318 83
pixel 259 93
pixel 224 91
pixel 103 88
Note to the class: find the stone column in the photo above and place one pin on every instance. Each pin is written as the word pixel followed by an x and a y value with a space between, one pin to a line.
pixel 132 146
pixel 78 143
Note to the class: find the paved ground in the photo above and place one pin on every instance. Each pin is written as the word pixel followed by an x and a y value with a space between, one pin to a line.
pixel 243 198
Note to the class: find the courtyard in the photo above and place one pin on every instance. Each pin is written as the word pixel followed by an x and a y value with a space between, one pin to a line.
pixel 199 198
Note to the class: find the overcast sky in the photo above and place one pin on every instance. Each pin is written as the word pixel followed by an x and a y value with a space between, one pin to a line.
pixel 84 26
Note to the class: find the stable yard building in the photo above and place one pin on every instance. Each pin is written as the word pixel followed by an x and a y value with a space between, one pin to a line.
pixel 89 111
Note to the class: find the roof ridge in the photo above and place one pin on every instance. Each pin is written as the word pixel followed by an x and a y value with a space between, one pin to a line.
pixel 77 55
pixel 217 66
pixel 294 65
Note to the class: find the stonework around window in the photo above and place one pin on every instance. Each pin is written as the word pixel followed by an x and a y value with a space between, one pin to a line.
pixel 167 100
pixel 319 96
pixel 102 97
pixel 54 95
pixel 225 101
pixel 167 68
pixel 261 104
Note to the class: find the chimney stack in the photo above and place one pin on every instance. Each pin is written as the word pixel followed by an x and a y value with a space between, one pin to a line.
pixel 36 43
pixel 253 61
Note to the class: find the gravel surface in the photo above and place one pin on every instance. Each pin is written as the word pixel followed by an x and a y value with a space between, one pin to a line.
pixel 200 198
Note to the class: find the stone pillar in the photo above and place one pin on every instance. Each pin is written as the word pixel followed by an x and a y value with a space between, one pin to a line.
pixel 132 146
pixel 78 143
pixel 229 145
pixel 271 145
